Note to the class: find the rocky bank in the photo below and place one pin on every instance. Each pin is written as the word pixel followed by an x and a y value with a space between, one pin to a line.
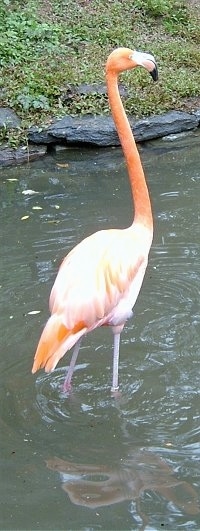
pixel 93 131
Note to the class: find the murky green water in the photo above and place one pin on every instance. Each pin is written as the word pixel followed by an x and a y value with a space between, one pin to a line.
pixel 88 461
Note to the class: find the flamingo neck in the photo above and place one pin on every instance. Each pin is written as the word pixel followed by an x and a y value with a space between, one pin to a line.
pixel 140 194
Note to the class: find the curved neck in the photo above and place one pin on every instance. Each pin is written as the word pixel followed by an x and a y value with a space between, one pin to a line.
pixel 140 194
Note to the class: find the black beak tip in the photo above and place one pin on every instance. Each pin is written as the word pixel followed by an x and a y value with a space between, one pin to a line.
pixel 154 73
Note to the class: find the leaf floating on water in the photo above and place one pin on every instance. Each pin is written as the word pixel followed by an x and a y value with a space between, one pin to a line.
pixel 29 192
pixel 54 221
pixel 24 217
pixel 62 165
pixel 33 312
pixel 36 208
pixel 13 180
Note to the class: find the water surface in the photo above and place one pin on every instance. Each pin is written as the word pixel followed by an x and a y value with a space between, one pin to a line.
pixel 88 461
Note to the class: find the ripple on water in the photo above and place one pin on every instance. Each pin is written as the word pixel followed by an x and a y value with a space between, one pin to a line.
pixel 169 339
pixel 52 403
pixel 55 405
pixel 89 399
pixel 173 298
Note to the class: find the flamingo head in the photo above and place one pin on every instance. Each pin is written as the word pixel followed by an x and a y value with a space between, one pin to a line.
pixel 123 59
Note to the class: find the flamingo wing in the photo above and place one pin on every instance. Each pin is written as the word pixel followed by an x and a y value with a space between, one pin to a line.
pixel 95 276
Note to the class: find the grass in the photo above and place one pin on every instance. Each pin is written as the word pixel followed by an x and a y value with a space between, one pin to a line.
pixel 47 46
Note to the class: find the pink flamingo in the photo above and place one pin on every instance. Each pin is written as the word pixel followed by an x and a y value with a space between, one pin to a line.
pixel 100 279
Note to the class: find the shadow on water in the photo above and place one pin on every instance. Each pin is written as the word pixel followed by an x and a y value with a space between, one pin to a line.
pixel 88 461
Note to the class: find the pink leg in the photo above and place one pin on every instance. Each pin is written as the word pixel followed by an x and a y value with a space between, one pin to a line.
pixel 115 385
pixel 117 333
pixel 67 382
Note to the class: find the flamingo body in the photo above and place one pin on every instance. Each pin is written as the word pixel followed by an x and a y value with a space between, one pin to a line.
pixel 100 279
pixel 97 284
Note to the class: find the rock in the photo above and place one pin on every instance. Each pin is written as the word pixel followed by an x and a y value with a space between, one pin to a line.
pixel 97 130
pixel 91 130
pixel 39 135
pixel 9 156
pixel 163 125
pixel 197 114
pixel 9 118
pixel 85 89
pixel 100 130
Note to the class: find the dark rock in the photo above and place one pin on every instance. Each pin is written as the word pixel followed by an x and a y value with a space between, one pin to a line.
pixel 38 135
pixel 9 156
pixel 91 130
pixel 97 130
pixel 9 118
pixel 197 114
pixel 86 89
pixel 100 130
pixel 94 130
pixel 163 125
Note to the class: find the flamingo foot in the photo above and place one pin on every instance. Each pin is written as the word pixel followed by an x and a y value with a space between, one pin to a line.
pixel 115 393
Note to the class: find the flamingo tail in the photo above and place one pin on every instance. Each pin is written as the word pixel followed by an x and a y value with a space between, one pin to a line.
pixel 55 341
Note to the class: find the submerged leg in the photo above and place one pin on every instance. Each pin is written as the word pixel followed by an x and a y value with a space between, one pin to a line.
pixel 67 382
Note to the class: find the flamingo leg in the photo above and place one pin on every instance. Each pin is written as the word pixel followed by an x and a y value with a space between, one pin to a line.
pixel 67 382
pixel 115 385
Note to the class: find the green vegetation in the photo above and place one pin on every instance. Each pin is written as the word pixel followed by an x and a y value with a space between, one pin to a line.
pixel 46 46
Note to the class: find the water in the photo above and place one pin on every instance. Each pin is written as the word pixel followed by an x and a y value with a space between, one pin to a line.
pixel 89 461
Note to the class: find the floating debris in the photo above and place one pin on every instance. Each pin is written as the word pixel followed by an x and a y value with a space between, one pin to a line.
pixel 24 217
pixel 62 165
pixel 54 221
pixel 29 192
pixel 33 312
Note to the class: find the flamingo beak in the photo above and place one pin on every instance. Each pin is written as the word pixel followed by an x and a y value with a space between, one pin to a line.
pixel 147 61
pixel 154 72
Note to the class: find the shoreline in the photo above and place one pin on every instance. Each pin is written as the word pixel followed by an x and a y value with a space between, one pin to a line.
pixel 89 131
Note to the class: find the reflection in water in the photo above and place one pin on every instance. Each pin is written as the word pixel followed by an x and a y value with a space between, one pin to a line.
pixel 142 472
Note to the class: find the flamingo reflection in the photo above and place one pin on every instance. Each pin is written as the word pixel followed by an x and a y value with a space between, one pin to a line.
pixel 96 486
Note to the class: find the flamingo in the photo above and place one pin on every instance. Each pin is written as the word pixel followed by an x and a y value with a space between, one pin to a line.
pixel 99 280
